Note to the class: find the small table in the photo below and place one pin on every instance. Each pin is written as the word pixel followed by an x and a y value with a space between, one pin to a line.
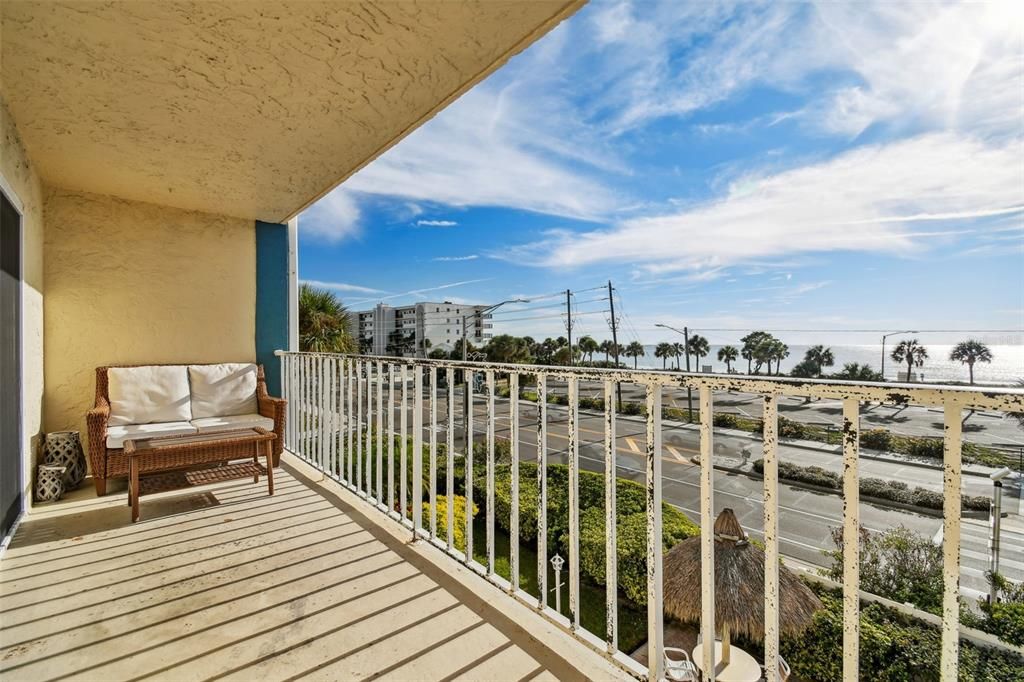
pixel 742 666
pixel 176 462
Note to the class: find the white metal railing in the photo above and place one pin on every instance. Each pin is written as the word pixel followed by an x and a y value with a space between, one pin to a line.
pixel 341 406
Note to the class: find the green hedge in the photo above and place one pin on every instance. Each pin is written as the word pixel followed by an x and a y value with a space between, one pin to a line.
pixel 893 648
pixel 631 522
pixel 895 491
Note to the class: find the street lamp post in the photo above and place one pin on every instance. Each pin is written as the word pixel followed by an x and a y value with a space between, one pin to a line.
pixel 686 351
pixel 465 356
pixel 995 523
pixel 884 337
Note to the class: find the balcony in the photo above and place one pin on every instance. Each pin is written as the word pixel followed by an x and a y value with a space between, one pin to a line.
pixel 382 427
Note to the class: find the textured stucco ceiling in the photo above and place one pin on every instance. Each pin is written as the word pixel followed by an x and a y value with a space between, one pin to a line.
pixel 250 109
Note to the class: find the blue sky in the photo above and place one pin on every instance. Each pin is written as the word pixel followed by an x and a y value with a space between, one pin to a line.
pixel 749 165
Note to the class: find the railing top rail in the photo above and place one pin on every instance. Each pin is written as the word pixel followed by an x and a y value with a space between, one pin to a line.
pixel 1008 398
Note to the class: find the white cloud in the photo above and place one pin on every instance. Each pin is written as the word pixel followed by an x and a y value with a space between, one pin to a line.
pixel 342 286
pixel 420 292
pixel 436 223
pixel 455 258
pixel 333 218
pixel 881 189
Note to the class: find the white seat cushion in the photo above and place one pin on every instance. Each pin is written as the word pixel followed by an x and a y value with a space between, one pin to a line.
pixel 117 435
pixel 223 390
pixel 231 422
pixel 148 395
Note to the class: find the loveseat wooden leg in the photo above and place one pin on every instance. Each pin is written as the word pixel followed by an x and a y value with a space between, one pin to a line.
pixel 101 486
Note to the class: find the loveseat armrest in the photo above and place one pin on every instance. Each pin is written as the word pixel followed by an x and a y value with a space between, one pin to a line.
pixel 276 409
pixel 96 421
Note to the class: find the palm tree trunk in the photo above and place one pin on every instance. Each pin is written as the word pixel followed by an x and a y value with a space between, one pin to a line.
pixel 910 367
pixel 970 369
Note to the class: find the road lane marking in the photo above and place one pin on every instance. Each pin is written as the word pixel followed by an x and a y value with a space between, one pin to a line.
pixel 633 446
pixel 675 453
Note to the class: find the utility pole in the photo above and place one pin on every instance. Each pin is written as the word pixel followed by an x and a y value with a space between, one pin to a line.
pixel 685 331
pixel 615 342
pixel 568 322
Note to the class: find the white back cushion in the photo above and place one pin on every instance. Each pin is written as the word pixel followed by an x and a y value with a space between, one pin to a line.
pixel 223 390
pixel 145 395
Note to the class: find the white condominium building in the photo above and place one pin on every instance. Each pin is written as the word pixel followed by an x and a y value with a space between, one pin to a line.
pixel 415 330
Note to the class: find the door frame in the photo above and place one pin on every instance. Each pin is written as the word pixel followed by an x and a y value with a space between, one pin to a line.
pixel 19 207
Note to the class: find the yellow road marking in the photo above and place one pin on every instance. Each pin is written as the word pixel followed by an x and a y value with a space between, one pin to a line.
pixel 675 453
pixel 632 445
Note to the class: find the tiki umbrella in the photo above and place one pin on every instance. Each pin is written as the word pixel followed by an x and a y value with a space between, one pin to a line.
pixel 739 586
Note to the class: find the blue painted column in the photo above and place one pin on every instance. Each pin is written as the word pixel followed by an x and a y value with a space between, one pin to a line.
pixel 272 299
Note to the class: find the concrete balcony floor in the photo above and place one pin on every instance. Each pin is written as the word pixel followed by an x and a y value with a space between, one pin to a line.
pixel 224 582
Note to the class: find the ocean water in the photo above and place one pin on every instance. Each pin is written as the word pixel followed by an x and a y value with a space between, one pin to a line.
pixel 1007 366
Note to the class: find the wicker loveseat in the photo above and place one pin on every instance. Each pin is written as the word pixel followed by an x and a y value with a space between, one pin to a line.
pixel 136 401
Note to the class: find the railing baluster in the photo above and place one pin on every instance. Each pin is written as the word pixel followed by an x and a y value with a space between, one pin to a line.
pixel 513 436
pixel 286 395
pixel 851 541
pixel 950 660
pixel 380 432
pixel 432 371
pixel 321 412
pixel 449 460
pixel 707 533
pixel 771 537
pixel 417 454
pixel 573 456
pixel 490 472
pixel 391 437
pixel 329 408
pixel 368 465
pixel 610 522
pixel 349 445
pixel 655 614
pixel 469 467
pixel 359 425
pixel 303 408
pixel 403 444
pixel 542 489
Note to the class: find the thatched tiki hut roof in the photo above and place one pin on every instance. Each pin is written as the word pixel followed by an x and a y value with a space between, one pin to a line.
pixel 739 585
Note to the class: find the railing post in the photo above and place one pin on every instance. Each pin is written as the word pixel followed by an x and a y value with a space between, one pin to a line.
pixel 359 425
pixel 490 472
pixel 404 445
pixel 320 376
pixel 432 437
pixel 542 490
pixel 611 594
pixel 574 502
pixel 771 538
pixel 350 446
pixel 391 438
pixel 469 467
pixel 449 460
pixel 417 454
pixel 380 433
pixel 950 660
pixel 707 533
pixel 851 541
pixel 655 613
pixel 513 402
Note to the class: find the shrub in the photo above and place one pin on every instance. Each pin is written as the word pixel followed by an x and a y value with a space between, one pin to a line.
pixel 791 429
pixel 459 532
pixel 925 447
pixel 588 403
pixel 976 503
pixel 634 409
pixel 876 439
pixel 530 395
pixel 725 420
pixel 886 490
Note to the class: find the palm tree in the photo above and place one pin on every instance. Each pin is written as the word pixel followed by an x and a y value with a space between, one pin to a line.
pixel 969 352
pixel 755 349
pixel 728 355
pixel 634 350
pixel 778 352
pixel 699 348
pixel 606 347
pixel 910 352
pixel 323 322
pixel 587 345
pixel 664 351
pixel 819 357
pixel 678 349
pixel 506 348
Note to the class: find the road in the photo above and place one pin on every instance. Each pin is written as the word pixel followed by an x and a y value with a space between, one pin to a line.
pixel 981 427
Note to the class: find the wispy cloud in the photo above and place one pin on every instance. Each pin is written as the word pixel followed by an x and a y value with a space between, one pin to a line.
pixel 424 290
pixel 809 209
pixel 436 223
pixel 342 286
pixel 333 218
pixel 449 259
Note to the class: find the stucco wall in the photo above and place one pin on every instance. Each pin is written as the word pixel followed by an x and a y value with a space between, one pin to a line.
pixel 131 282
pixel 19 175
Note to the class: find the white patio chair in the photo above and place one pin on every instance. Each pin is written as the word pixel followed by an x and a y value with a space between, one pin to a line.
pixel 784 671
pixel 680 669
